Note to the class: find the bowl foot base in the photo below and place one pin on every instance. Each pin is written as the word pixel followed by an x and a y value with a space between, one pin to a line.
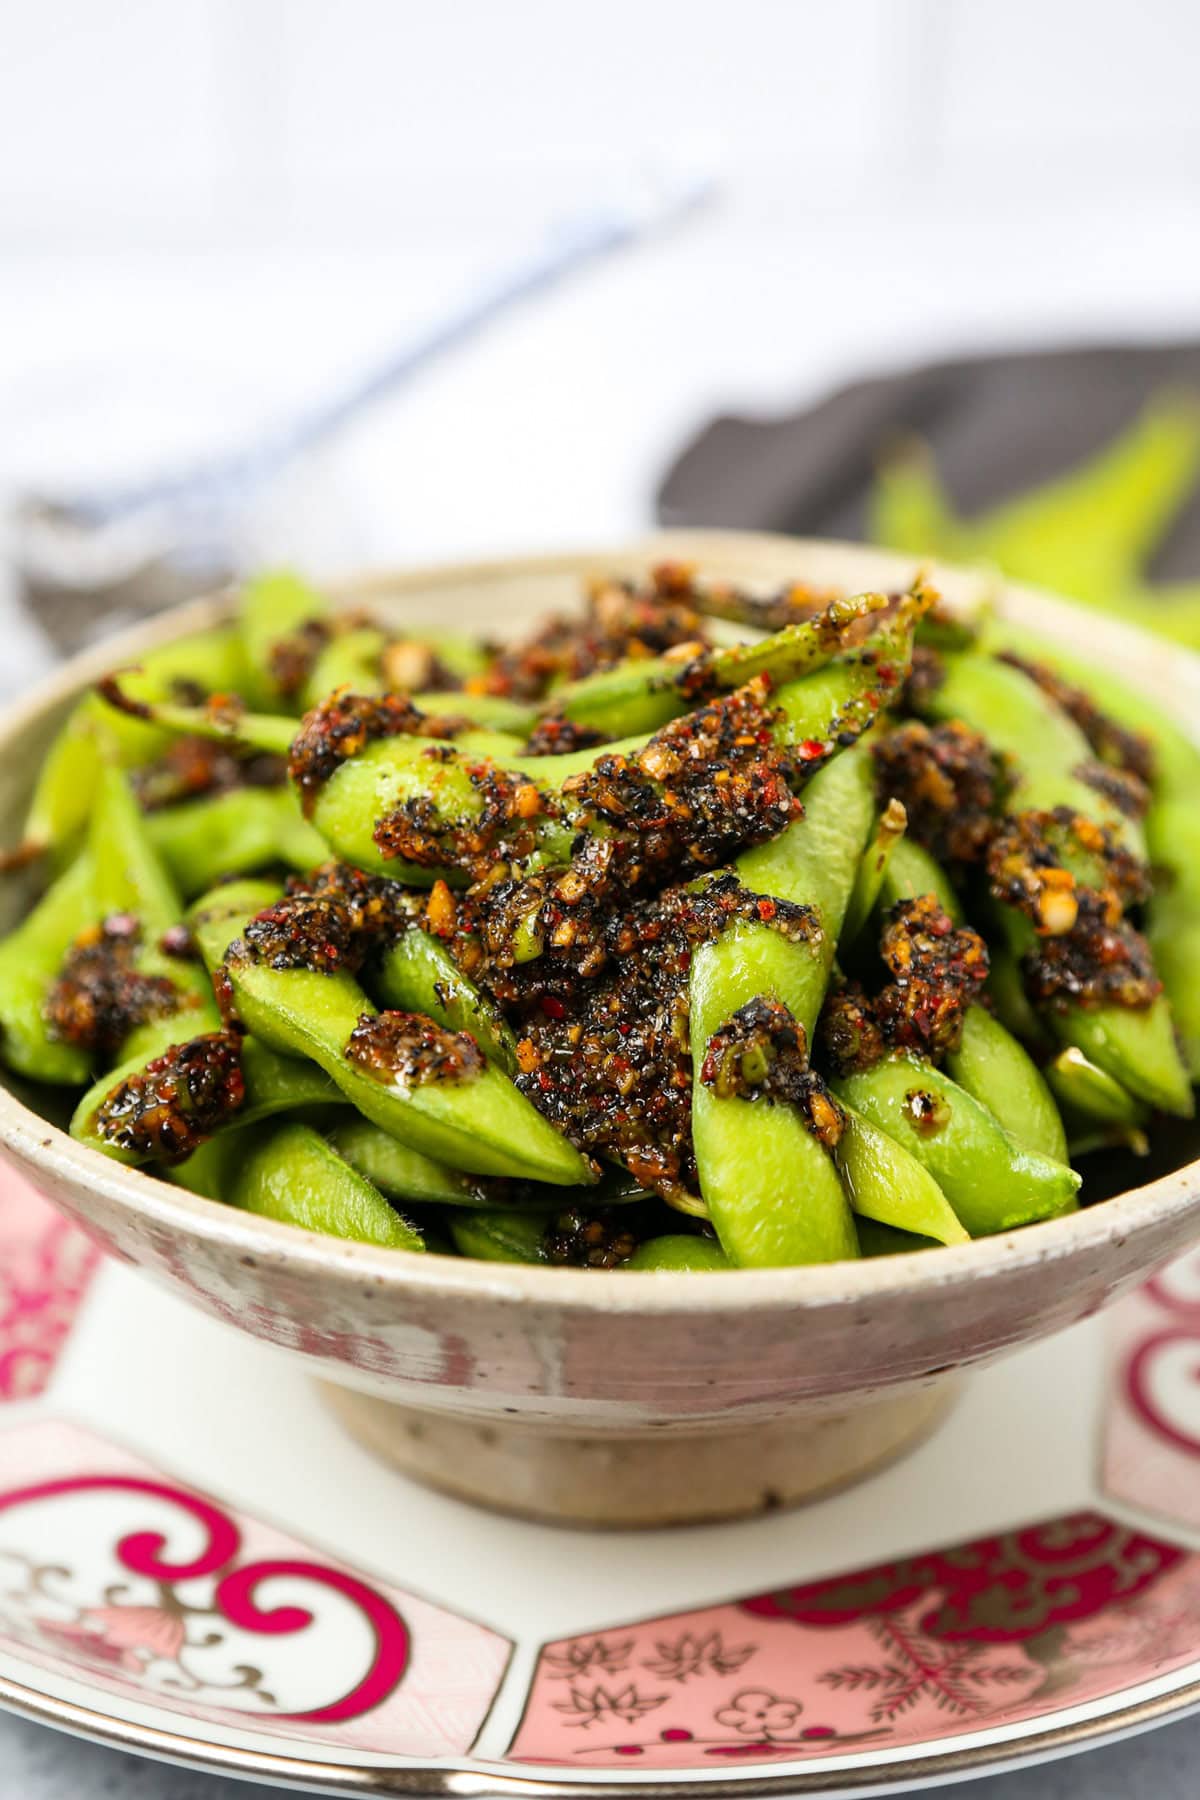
pixel 654 1478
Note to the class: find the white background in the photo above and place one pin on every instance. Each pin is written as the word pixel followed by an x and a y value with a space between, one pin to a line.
pixel 213 209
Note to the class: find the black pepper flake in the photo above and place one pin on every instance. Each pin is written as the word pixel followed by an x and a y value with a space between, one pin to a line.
pixel 100 995
pixel 937 972
pixel 327 922
pixel 505 829
pixel 622 620
pixel 761 1053
pixel 342 726
pixel 179 1099
pixel 583 1238
pixel 406 1049
pixel 949 783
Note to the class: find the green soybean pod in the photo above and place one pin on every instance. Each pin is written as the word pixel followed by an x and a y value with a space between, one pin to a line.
pixel 871 879
pixel 351 659
pixel 875 1239
pixel 679 1252
pixel 483 1125
pixel 1006 991
pixel 989 1062
pixel 129 877
pixel 887 1184
pixel 30 957
pixel 291 1174
pixel 273 606
pixel 418 974
pixel 1044 747
pixel 909 509
pixel 399 1171
pixel 773 1193
pixel 210 1169
pixel 460 654
pixel 1046 751
pixel 491 712
pixel 1091 1091
pixel 273 1084
pixel 515 1237
pixel 66 782
pixel 992 1182
pixel 1172 827
pixel 1089 532
pixel 203 841
pixel 642 694
pixel 910 871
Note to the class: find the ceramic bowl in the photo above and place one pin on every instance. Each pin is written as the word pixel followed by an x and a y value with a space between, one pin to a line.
pixel 614 1399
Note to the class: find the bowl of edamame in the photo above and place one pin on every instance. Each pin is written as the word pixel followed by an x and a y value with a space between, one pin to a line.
pixel 639 1024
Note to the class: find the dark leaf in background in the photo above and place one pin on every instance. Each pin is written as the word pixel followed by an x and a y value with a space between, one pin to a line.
pixel 998 425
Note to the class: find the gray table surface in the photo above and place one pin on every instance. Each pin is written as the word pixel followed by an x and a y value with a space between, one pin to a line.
pixel 39 1764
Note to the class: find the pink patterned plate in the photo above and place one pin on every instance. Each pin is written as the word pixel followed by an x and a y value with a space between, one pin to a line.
pixel 242 1588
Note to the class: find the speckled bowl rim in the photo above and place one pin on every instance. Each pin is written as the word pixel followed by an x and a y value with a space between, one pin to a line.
pixel 44 1147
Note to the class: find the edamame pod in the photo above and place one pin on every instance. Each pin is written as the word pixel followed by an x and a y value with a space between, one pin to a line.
pixel 272 1084
pixel 399 1171
pixel 872 868
pixel 30 958
pixel 481 1125
pixel 678 1252
pixel 66 784
pixel 130 880
pixel 516 1237
pixel 909 872
pixel 875 1239
pixel 291 1174
pixel 1172 826
pixel 351 659
pixel 1043 748
pixel 273 607
pixel 772 1192
pixel 1088 533
pixel 888 1185
pixel 1090 1095
pixel 204 840
pixel 1173 932
pixel 1046 749
pixel 418 974
pixel 989 1062
pixel 990 1180
pixel 492 712
pixel 909 508
pixel 1006 991
pixel 209 1170
pixel 644 693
